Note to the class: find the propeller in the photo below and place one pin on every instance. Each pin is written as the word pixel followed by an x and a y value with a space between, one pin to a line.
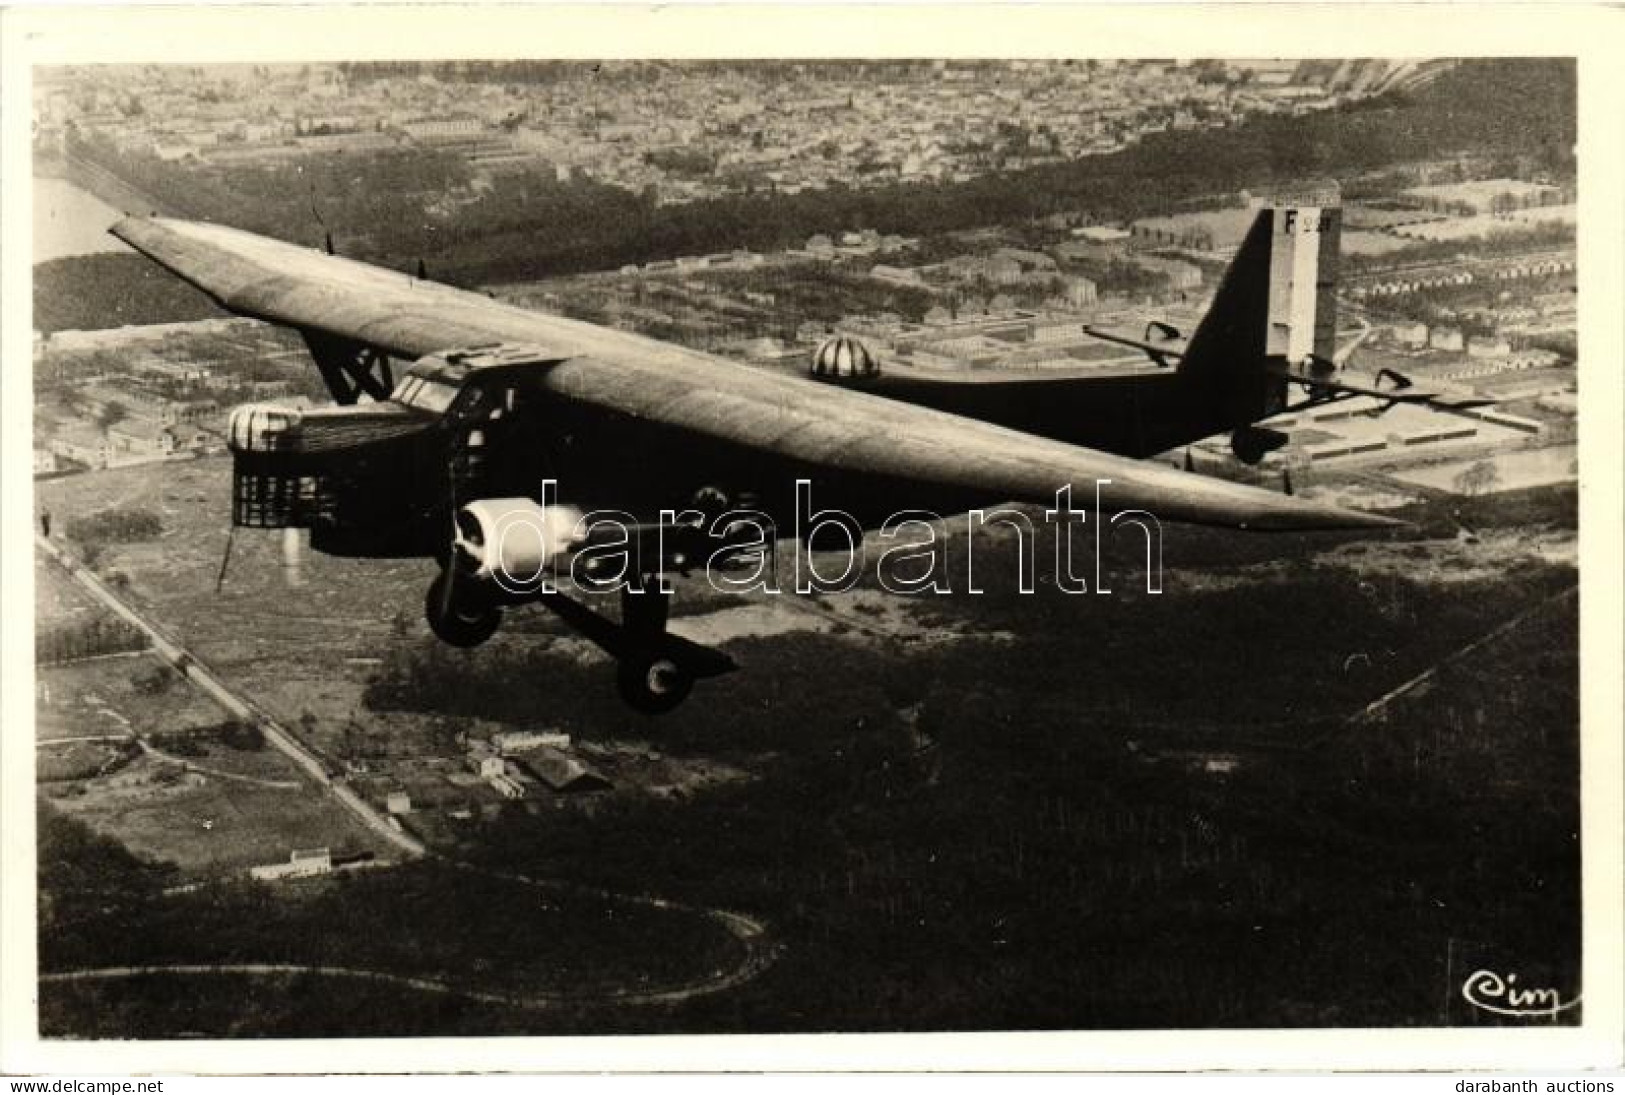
pixel 448 585
pixel 225 558
pixel 458 554
pixel 448 588
pixel 317 213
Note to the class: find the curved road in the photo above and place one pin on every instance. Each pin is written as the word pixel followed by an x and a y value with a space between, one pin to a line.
pixel 534 1001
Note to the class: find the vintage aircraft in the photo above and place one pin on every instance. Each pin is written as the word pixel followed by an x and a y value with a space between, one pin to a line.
pixel 498 400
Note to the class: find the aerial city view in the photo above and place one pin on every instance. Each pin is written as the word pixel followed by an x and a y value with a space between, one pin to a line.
pixel 348 726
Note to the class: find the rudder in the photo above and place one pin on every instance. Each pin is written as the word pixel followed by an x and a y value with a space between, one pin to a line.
pixel 1275 308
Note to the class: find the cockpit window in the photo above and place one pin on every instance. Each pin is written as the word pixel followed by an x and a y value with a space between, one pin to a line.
pixel 425 394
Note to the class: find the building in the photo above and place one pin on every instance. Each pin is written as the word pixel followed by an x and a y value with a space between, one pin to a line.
pixel 447 127
pixel 514 741
pixel 1065 331
pixel 1029 261
pixel 1213 230
pixel 1344 447
pixel 138 437
pixel 1182 276
pixel 1446 338
pixel 487 765
pixel 562 772
pixel 1100 234
pixel 900 275
pixel 1489 348
pixel 1435 436
pixel 1531 426
pixel 1080 291
pixel 1413 335
pixel 134 439
pixel 83 444
pixel 997 269
pixel 1484 196
pixel 182 372
pixel 303 863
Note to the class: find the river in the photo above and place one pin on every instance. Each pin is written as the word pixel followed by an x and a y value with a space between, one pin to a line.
pixel 71 221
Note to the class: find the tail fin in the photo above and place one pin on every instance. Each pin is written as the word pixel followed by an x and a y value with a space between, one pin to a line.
pixel 1276 306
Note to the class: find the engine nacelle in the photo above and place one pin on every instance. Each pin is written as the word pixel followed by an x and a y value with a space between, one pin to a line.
pixel 513 542
pixel 262 427
pixel 844 359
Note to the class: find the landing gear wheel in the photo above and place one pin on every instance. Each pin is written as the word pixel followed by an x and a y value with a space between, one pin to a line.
pixel 459 621
pixel 653 685
pixel 1249 453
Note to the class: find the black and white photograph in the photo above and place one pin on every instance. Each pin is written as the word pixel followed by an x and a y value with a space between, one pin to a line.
pixel 880 543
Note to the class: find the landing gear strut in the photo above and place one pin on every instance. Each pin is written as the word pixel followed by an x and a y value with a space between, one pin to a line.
pixel 459 616
pixel 654 669
pixel 648 679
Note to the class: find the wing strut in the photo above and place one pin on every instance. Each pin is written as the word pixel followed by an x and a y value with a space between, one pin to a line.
pixel 654 669
pixel 350 369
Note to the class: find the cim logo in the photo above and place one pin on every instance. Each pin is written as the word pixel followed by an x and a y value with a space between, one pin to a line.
pixel 1491 992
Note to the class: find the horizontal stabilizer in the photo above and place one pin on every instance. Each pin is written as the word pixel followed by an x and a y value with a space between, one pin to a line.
pixel 1162 343
pixel 1389 386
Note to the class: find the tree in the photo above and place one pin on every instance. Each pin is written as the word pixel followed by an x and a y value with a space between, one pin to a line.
pixel 1481 478
pixel 112 413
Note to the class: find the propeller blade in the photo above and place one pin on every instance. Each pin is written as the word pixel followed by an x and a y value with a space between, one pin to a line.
pixel 448 588
pixel 225 558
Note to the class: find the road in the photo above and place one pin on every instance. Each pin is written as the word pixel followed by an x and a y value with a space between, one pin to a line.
pixel 532 1001
pixel 187 664
pixel 751 934
pixel 1376 707
pixel 114 190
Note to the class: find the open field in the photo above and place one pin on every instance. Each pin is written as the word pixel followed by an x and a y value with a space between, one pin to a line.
pixel 184 794
pixel 1513 470
pixel 1356 242
pixel 104 696
pixel 205 825
pixel 57 600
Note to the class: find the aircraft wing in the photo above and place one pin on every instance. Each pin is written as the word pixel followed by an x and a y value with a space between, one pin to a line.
pixel 698 394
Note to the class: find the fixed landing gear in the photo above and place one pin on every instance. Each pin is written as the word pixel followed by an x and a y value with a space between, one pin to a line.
pixel 654 669
pixel 649 679
pixel 459 616
pixel 652 684
pixel 1252 443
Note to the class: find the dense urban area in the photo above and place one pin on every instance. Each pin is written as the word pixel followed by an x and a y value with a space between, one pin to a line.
pixel 900 816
